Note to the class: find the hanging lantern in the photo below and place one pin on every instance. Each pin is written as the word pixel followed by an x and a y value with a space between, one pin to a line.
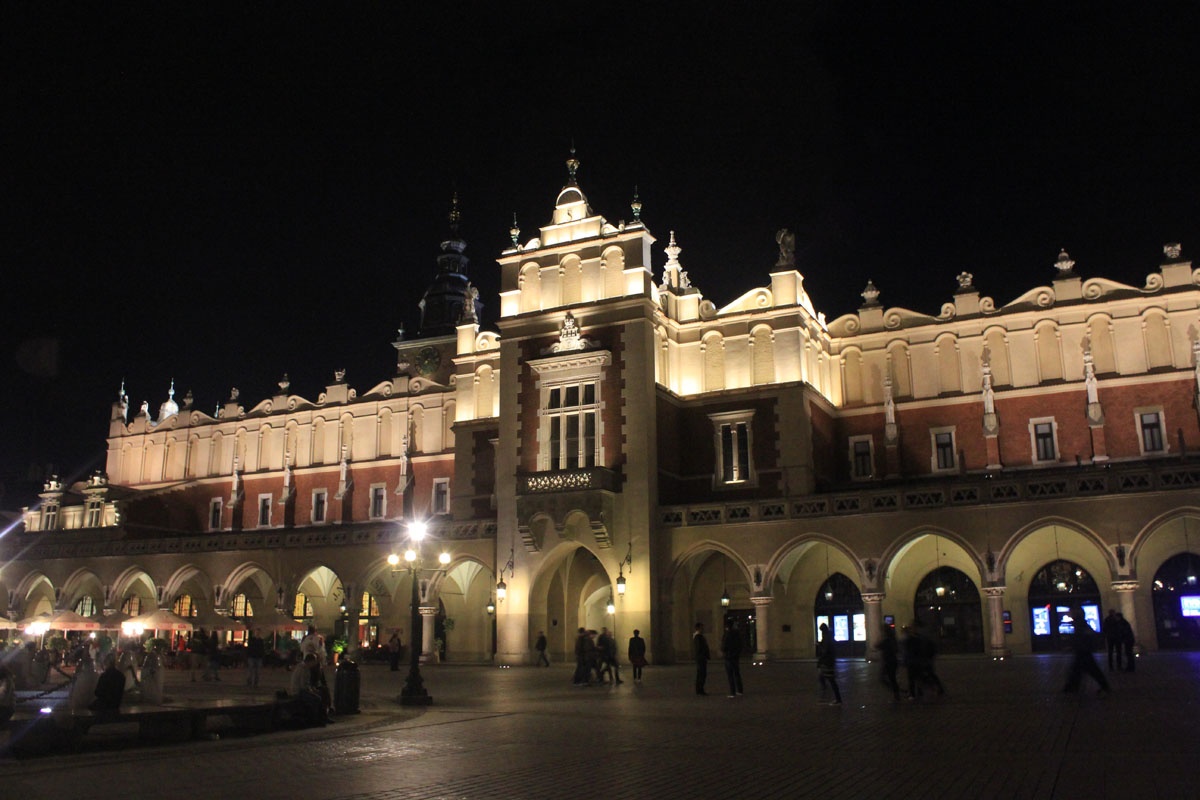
pixel 610 608
pixel 621 585
pixel 501 590
pixel 725 599
pixel 491 608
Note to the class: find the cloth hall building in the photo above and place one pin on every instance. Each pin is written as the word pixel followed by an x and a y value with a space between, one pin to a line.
pixel 624 452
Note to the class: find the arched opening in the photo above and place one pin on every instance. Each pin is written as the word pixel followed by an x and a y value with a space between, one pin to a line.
pixel 1176 596
pixel 468 629
pixel 947 603
pixel 571 591
pixel 323 603
pixel 839 605
pixel 86 607
pixel 711 588
pixel 1054 590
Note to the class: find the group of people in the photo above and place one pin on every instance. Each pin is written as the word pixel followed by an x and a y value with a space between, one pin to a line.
pixel 1118 635
pixel 731 651
pixel 596 656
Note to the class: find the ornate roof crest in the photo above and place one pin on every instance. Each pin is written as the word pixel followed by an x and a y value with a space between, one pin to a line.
pixel 1065 264
pixel 870 295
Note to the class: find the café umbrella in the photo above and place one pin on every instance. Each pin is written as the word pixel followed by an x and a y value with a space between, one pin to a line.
pixel 59 621
pixel 160 620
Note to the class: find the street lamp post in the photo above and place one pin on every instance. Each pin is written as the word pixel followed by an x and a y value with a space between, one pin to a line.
pixel 414 692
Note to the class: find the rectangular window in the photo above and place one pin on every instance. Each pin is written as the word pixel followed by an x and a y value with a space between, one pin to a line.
pixel 95 514
pixel 318 505
pixel 214 514
pixel 378 502
pixel 49 517
pixel 1152 436
pixel 264 510
pixel 943 447
pixel 572 410
pixel 731 438
pixel 1043 442
pixel 862 462
pixel 441 496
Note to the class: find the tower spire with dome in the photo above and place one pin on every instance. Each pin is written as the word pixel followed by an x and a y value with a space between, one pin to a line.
pixel 442 304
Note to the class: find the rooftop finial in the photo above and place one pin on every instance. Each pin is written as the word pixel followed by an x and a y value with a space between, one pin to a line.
pixel 514 232
pixel 636 205
pixel 455 215
pixel 572 165
pixel 870 295
pixel 1173 251
pixel 1065 264
pixel 171 391
pixel 672 250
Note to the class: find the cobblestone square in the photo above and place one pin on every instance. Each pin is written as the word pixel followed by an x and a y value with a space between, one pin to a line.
pixel 1003 730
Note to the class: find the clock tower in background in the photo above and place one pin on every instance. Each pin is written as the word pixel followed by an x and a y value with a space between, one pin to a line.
pixel 450 298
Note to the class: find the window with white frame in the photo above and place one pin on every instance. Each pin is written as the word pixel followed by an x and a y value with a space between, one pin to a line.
pixel 733 435
pixel 93 514
pixel 1152 430
pixel 378 500
pixel 944 456
pixel 1043 440
pixel 572 410
pixel 49 516
pixel 441 496
pixel 318 505
pixel 264 510
pixel 862 457
pixel 214 513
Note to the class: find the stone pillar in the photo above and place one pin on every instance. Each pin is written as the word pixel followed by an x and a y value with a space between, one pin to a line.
pixel 762 626
pixel 352 643
pixel 428 613
pixel 995 604
pixel 1125 590
pixel 873 606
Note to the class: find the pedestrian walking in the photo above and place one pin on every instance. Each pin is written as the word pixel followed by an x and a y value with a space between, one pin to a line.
pixel 731 649
pixel 1110 628
pixel 1127 640
pixel 607 647
pixel 582 671
pixel 256 648
pixel 827 666
pixel 701 654
pixel 213 651
pixel 540 646
pixel 394 646
pixel 889 654
pixel 1084 661
pixel 637 655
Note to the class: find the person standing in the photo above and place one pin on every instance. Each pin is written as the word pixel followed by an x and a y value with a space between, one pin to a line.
pixel 540 646
pixel 700 652
pixel 1082 645
pixel 827 666
pixel 582 672
pixel 608 656
pixel 256 648
pixel 1125 637
pixel 8 695
pixel 195 648
pixel 110 687
pixel 394 651
pixel 214 658
pixel 731 649
pixel 313 644
pixel 637 655
pixel 1111 630
pixel 889 653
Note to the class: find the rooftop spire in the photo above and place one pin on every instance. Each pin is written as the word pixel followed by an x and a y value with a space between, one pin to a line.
pixel 636 205
pixel 455 215
pixel 514 232
pixel 572 166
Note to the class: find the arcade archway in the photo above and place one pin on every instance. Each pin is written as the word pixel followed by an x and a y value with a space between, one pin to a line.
pixel 947 603
pixel 1055 589
pixel 572 591
pixel 1176 596
pixel 839 604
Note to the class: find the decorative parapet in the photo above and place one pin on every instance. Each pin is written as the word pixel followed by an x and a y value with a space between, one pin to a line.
pixel 969 490
pixel 567 480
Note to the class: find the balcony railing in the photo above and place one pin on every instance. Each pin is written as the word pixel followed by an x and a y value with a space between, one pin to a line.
pixel 1007 487
pixel 567 480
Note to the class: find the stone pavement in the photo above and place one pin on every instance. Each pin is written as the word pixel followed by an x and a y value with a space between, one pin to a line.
pixel 1004 730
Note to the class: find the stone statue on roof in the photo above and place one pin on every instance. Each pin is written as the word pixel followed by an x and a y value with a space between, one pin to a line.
pixel 787 248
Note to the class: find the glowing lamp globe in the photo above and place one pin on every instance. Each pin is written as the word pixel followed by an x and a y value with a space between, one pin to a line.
pixel 410 555
pixel 501 590
pixel 417 530
pixel 393 559
pixel 443 559
pixel 621 584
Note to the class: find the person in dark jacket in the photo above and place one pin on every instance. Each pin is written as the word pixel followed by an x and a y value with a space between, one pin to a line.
pixel 827 665
pixel 731 649
pixel 1082 645
pixel 256 648
pixel 394 645
pixel 540 646
pixel 701 654
pixel 110 687
pixel 1126 640
pixel 1110 628
pixel 889 653
pixel 582 670
pixel 637 655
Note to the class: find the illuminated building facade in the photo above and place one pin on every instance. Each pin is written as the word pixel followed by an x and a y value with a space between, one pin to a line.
pixel 622 442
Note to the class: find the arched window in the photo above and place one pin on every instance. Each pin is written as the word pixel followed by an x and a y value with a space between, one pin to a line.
pixel 1053 592
pixel 241 607
pixel 852 377
pixel 86 607
pixel 714 362
pixel 899 363
pixel 302 607
pixel 949 375
pixel 1158 340
pixel 947 604
pixel 132 605
pixel 997 344
pixel 370 606
pixel 1049 351
pixel 1100 336
pixel 184 606
pixel 1176 593
pixel 530 286
pixel 762 344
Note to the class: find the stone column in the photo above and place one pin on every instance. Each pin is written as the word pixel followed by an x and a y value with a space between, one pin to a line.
pixel 873 606
pixel 995 604
pixel 1125 590
pixel 762 626
pixel 352 643
pixel 428 613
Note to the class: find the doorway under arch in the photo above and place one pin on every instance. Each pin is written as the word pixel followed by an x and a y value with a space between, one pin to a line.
pixel 1176 596
pixel 1054 590
pixel 839 604
pixel 947 602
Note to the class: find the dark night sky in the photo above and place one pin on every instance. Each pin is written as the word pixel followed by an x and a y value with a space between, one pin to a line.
pixel 222 198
